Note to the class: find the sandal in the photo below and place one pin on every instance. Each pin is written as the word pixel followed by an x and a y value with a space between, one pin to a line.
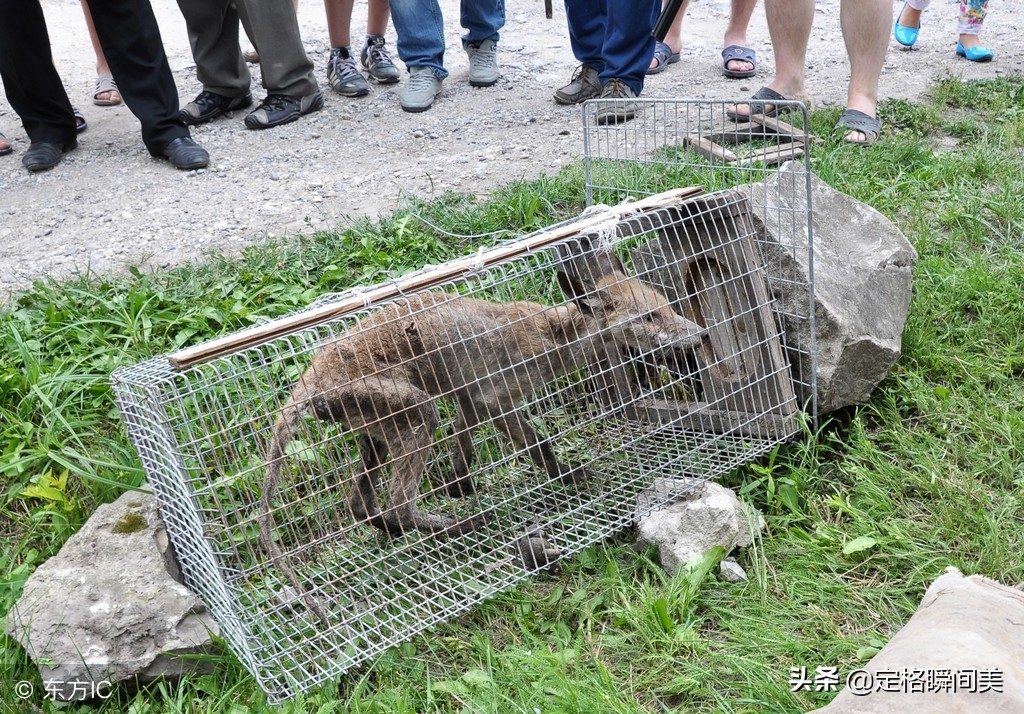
pixel 663 57
pixel 761 107
pixel 80 123
pixel 6 147
pixel 743 54
pixel 105 84
pixel 853 120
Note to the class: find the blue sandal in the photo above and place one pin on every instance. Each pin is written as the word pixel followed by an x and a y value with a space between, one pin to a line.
pixel 743 54
pixel 663 57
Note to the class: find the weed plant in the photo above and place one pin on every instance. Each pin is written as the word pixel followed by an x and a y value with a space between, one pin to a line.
pixel 861 515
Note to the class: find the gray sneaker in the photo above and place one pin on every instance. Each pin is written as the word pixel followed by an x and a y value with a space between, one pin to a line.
pixel 584 85
pixel 377 61
pixel 421 89
pixel 622 108
pixel 483 63
pixel 343 75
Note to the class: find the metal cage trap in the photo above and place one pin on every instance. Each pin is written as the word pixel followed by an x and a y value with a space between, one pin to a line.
pixel 341 479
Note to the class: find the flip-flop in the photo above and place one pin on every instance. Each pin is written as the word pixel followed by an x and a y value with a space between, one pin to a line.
pixel 743 54
pixel 663 57
pixel 104 84
pixel 761 107
pixel 80 123
pixel 853 120
pixel 5 150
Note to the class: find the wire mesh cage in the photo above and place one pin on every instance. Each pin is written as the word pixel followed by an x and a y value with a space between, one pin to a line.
pixel 719 145
pixel 338 481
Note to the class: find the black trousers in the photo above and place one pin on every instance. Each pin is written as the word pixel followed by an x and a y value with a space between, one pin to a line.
pixel 130 37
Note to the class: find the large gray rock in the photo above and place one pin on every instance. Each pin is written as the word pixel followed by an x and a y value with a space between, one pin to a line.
pixel 109 606
pixel 707 515
pixel 961 653
pixel 863 268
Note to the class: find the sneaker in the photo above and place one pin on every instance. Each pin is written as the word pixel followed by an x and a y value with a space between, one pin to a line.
pixel 377 61
pixel 344 76
pixel 483 63
pixel 279 109
pixel 421 90
pixel 209 105
pixel 584 85
pixel 623 109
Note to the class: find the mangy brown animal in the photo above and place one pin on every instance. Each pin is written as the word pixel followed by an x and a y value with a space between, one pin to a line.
pixel 380 380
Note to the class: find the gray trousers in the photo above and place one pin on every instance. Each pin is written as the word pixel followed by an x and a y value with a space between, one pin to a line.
pixel 274 30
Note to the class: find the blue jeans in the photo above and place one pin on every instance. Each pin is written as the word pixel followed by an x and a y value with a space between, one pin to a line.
pixel 614 37
pixel 420 29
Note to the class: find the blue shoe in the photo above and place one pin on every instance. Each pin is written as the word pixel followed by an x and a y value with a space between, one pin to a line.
pixel 906 36
pixel 975 54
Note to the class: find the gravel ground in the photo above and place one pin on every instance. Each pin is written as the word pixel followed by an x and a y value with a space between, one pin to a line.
pixel 109 205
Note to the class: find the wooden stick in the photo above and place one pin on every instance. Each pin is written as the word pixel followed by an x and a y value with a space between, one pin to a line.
pixel 774 154
pixel 781 127
pixel 709 149
pixel 421 279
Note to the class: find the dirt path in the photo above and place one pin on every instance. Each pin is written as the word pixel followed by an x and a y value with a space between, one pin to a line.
pixel 109 205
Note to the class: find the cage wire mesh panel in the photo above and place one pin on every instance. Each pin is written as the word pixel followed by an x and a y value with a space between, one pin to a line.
pixel 683 142
pixel 334 490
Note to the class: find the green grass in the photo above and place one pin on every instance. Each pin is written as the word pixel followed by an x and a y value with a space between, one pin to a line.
pixel 929 473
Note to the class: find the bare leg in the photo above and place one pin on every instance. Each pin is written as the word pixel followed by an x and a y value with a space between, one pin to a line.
pixel 102 68
pixel 736 32
pixel 339 21
pixel 865 26
pixel 789 25
pixel 378 12
pixel 674 37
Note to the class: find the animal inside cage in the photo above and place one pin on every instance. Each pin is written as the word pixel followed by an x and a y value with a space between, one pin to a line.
pixel 342 479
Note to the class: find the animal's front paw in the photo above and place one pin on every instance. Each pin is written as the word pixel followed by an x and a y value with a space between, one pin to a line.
pixel 575 475
pixel 460 487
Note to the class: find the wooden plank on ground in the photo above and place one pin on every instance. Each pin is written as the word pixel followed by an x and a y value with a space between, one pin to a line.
pixel 709 149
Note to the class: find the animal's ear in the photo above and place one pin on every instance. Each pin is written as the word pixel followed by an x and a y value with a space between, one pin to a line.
pixel 587 298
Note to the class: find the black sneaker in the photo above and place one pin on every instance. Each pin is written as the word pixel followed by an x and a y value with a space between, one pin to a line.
pixel 209 105
pixel 279 109
pixel 377 61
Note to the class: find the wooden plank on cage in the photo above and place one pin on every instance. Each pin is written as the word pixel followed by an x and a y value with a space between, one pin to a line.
pixel 772 155
pixel 709 149
pixel 421 280
pixel 782 128
pixel 705 260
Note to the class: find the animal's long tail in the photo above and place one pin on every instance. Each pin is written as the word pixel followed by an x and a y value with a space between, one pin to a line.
pixel 284 429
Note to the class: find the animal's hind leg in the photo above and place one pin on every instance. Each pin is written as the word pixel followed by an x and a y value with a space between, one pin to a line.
pixel 462 455
pixel 363 499
pixel 539 449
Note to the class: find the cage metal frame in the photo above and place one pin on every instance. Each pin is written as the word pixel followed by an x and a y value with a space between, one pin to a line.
pixel 200 433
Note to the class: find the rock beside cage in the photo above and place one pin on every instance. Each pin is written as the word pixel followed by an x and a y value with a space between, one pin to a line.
pixel 110 607
pixel 862 268
pixel 702 516
pixel 962 651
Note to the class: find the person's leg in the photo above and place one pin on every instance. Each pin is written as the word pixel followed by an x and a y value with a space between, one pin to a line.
pixel 586 33
pixel 378 12
pixel 789 27
pixel 130 38
pixel 273 27
pixel 212 27
pixel 342 73
pixel 736 32
pixel 628 45
pixel 910 14
pixel 420 29
pixel 482 20
pixel 339 21
pixel 109 96
pixel 972 16
pixel 33 87
pixel 865 25
pixel 674 36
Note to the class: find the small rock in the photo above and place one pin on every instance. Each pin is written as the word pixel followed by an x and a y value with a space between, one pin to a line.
pixel 731 571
